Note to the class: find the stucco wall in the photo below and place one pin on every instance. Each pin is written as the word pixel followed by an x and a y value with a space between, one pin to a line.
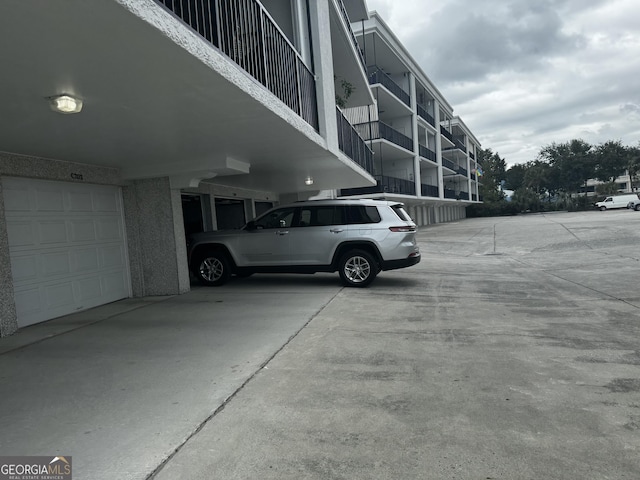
pixel 8 318
pixel 156 240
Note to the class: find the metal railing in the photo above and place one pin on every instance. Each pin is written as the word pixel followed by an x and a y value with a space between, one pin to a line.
pixel 385 185
pixel 472 155
pixel 422 112
pixel 345 15
pixel 474 197
pixel 427 153
pixel 446 133
pixel 460 143
pixel 463 195
pixel 449 193
pixel 378 76
pixel 430 190
pixel 352 144
pixel 376 130
pixel 245 32
pixel 448 164
pixel 462 170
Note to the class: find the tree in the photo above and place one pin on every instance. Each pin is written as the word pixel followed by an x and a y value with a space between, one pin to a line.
pixel 572 164
pixel 633 165
pixel 514 176
pixel 494 169
pixel 611 160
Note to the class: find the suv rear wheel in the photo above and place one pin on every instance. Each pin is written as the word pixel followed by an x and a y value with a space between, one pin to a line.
pixel 358 268
pixel 212 268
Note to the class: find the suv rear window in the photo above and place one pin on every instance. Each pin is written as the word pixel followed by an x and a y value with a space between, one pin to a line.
pixel 401 212
pixel 359 214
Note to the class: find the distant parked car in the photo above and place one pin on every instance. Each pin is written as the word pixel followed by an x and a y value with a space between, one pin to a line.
pixel 617 201
pixel 357 238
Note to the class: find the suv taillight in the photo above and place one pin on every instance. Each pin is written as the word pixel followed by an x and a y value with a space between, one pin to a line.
pixel 403 229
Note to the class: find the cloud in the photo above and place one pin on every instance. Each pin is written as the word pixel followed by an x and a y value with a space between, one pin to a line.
pixel 523 74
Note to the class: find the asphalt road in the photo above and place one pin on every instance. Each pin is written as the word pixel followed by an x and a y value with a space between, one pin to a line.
pixel 512 351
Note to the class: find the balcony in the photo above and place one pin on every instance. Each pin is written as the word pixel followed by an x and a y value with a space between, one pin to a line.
pixel 450 193
pixel 430 190
pixel 345 16
pixel 462 171
pixel 463 195
pixel 352 144
pixel 244 31
pixel 380 130
pixel 385 185
pixel 378 76
pixel 422 112
pixel 448 164
pixel 427 153
pixel 459 143
pixel 447 134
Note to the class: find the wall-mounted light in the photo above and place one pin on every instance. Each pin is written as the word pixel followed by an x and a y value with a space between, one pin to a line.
pixel 308 181
pixel 65 103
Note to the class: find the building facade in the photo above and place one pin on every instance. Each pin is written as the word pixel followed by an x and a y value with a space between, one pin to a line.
pixel 423 154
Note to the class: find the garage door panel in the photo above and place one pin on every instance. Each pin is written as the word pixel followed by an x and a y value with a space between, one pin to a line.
pixel 80 201
pixel 28 302
pixel 67 247
pixel 108 229
pixel 52 232
pixel 20 233
pixel 49 199
pixel 90 289
pixel 24 268
pixel 55 263
pixel 105 202
pixel 82 230
pixel 86 259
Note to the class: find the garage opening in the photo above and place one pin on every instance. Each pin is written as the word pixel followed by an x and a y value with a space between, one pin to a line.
pixel 230 213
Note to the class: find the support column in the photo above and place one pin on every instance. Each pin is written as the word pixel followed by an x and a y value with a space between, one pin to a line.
pixel 8 315
pixel 156 238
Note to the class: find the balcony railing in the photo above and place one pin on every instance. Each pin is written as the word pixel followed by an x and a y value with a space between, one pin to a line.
pixel 463 195
pixel 459 142
pixel 446 133
pixel 427 153
pixel 430 190
pixel 462 171
pixel 449 193
pixel 376 130
pixel 472 155
pixel 244 31
pixel 449 164
pixel 378 76
pixel 385 185
pixel 474 197
pixel 345 15
pixel 352 144
pixel 424 114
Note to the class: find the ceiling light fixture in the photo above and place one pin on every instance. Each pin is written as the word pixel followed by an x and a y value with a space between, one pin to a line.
pixel 308 181
pixel 65 103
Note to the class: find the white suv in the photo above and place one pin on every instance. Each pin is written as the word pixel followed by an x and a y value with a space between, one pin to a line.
pixel 357 238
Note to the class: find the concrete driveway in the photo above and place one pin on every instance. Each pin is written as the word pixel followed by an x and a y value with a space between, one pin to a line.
pixel 512 351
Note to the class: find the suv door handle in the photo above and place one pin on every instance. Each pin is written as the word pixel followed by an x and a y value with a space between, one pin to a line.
pixel 282 232
pixel 336 230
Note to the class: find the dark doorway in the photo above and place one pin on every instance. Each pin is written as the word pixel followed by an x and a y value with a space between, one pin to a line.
pixel 262 207
pixel 192 214
pixel 229 213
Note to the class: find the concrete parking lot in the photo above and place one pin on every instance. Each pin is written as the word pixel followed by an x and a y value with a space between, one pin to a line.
pixel 512 351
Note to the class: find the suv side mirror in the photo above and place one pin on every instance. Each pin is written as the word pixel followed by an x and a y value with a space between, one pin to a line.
pixel 252 225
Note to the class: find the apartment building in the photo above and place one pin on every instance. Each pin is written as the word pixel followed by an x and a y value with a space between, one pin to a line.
pixel 128 123
pixel 424 155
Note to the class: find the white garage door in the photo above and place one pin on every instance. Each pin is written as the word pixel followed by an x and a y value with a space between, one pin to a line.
pixel 67 247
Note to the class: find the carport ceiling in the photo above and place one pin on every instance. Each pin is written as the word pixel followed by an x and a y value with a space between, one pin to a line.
pixel 150 107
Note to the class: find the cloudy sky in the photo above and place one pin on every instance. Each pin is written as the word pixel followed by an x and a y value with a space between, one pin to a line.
pixel 525 73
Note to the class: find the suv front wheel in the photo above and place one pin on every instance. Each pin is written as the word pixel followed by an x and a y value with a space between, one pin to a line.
pixel 212 268
pixel 358 268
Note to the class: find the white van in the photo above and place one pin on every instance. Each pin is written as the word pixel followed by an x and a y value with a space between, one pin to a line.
pixel 618 201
